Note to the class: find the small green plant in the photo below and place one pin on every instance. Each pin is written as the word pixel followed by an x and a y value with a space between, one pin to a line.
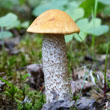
pixel 23 98
pixel 11 90
pixel 35 101
pixel 10 21
pixel 7 22
pixel 87 26
pixel 24 106
pixel 105 71
pixel 37 98
pixel 39 102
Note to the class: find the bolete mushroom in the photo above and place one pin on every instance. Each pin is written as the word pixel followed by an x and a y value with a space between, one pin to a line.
pixel 54 24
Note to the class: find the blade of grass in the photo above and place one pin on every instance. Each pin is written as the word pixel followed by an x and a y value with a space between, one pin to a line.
pixel 105 71
pixel 84 43
pixel 94 13
pixel 6 82
pixel 95 8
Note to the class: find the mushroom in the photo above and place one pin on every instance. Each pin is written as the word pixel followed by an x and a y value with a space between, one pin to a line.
pixel 54 24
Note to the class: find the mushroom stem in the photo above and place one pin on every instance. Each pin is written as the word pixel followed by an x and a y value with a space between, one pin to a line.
pixel 55 67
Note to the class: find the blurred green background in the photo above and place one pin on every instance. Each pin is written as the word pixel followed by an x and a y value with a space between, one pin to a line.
pixel 92 17
pixel 88 14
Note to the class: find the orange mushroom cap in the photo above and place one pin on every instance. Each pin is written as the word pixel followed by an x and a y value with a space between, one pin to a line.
pixel 53 22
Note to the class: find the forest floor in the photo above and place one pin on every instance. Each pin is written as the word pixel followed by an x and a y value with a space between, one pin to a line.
pixel 22 87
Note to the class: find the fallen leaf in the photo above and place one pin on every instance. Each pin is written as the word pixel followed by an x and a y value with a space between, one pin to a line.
pixel 59 105
pixel 85 104
pixel 37 76
pixel 80 85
